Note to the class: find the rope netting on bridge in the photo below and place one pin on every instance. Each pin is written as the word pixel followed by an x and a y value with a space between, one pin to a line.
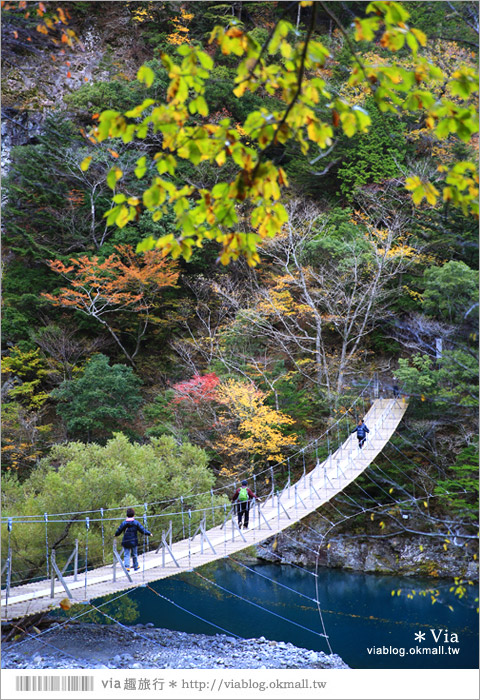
pixel 397 495
pixel 180 515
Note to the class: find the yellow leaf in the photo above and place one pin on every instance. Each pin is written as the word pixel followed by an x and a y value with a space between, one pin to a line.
pixel 84 165
pixel 65 604
pixel 425 504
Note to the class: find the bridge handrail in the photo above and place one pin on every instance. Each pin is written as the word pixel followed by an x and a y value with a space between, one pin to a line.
pixel 41 517
pixel 376 420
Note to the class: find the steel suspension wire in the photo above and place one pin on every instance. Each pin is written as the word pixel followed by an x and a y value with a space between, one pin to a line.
pixel 261 607
pixel 9 564
pixel 310 446
pixel 212 624
pixel 103 537
pixel 369 476
pixel 390 480
pixel 87 525
pixel 268 578
pixel 292 590
pixel 69 620
pixel 45 517
pixel 370 617
pixel 35 638
pixel 414 463
pixel 415 448
pixel 415 483
pixel 120 624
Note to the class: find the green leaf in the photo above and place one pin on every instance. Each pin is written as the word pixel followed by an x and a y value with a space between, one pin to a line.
pixel 145 75
pixel 413 43
pixel 420 36
pixel 137 111
pixel 141 168
pixel 220 190
pixel 184 49
pixel 202 107
pixel 205 60
pixel 154 196
pixel 113 176
pixel 112 214
pixel 147 244
pixel 123 217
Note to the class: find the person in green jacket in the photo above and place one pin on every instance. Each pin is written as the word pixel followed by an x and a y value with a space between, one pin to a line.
pixel 243 496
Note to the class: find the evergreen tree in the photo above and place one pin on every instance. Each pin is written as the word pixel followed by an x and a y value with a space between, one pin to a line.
pixel 102 400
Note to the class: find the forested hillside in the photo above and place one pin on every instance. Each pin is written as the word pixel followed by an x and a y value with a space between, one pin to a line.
pixel 220 221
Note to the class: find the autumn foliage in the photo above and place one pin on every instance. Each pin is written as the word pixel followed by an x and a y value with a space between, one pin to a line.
pixel 197 389
pixel 121 281
pixel 124 281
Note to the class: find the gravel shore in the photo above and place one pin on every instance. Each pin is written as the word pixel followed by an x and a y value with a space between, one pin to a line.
pixel 142 646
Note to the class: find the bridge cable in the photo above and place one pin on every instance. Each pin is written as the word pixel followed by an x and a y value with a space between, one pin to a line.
pixel 34 638
pixel 313 600
pixel 69 620
pixel 221 488
pixel 261 607
pixel 212 624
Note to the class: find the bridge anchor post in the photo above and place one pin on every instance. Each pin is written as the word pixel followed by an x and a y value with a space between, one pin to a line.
pixel 56 570
pixel 117 558
pixel 312 488
pixel 8 567
pixel 204 536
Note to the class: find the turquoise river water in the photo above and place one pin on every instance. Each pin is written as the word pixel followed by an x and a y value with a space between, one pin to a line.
pixel 367 625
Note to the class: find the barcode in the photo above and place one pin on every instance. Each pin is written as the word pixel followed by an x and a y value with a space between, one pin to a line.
pixel 52 683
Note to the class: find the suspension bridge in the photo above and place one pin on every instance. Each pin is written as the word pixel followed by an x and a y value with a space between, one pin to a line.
pixel 279 510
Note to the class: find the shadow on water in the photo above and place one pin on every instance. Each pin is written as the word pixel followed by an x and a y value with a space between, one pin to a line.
pixel 367 626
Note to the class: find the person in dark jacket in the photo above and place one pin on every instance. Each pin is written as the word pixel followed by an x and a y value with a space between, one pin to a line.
pixel 130 527
pixel 243 496
pixel 396 390
pixel 361 431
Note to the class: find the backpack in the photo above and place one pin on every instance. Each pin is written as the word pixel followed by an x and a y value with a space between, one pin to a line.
pixel 243 494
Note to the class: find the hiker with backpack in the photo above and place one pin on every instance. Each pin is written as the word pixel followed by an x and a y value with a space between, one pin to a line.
pixel 130 527
pixel 361 431
pixel 243 496
pixel 396 390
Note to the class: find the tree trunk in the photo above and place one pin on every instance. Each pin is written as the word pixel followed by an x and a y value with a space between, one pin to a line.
pixel 117 340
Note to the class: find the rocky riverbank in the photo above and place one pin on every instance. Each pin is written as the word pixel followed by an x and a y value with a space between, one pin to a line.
pixel 84 645
pixel 399 555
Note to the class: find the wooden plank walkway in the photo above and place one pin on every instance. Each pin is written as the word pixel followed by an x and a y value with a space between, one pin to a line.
pixel 266 519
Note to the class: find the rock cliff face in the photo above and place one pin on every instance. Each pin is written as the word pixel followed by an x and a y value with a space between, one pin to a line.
pixel 36 80
pixel 402 555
